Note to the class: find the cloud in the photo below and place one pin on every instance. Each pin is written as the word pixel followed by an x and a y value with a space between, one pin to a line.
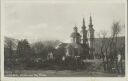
pixel 55 21
pixel 38 26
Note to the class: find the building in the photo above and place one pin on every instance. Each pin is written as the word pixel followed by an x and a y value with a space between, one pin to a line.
pixel 82 43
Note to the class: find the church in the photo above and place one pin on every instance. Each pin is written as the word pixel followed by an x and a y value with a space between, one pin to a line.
pixel 82 43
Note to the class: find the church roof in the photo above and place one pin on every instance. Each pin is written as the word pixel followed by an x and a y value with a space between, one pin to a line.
pixel 75 45
pixel 68 45
pixel 61 45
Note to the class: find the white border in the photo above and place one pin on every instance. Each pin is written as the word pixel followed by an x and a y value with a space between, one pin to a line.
pixel 60 78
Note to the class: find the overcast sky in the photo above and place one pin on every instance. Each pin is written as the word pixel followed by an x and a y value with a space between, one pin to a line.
pixel 50 21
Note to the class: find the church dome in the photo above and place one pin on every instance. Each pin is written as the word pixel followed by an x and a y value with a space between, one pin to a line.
pixel 75 34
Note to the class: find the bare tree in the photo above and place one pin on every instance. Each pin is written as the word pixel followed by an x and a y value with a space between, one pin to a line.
pixel 108 47
pixel 24 53
pixel 39 49
pixel 115 31
pixel 116 28
pixel 104 47
pixel 103 37
pixel 9 47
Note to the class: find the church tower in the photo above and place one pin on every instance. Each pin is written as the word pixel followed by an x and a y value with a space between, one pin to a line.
pixel 83 33
pixel 76 38
pixel 91 38
pixel 84 41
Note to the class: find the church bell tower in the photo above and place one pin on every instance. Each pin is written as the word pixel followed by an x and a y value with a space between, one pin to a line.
pixel 76 38
pixel 84 33
pixel 91 38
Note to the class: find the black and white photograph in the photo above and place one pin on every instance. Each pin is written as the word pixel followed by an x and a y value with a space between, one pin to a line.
pixel 64 38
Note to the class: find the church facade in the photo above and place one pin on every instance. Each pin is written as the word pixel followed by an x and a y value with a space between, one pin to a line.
pixel 82 43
